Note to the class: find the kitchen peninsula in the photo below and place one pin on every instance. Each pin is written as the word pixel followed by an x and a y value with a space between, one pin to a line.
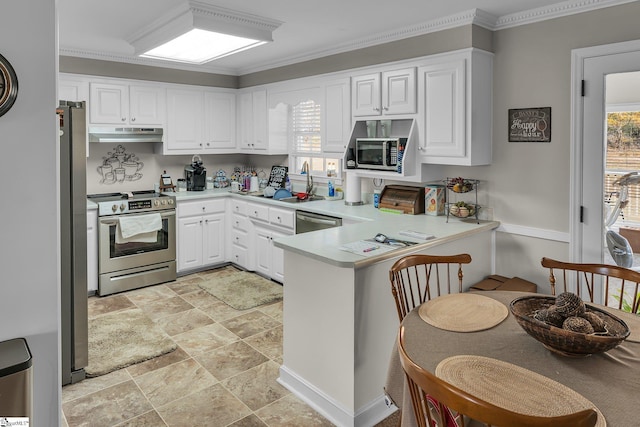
pixel 340 320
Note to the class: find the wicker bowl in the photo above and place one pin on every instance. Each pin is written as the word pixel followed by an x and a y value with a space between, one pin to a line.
pixel 562 341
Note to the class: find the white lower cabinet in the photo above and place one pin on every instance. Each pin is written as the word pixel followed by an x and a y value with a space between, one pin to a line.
pixel 201 234
pixel 92 251
pixel 270 223
pixel 241 241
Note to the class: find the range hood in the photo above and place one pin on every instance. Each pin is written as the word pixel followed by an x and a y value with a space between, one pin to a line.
pixel 118 135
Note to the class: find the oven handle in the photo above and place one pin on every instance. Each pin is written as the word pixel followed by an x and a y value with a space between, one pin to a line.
pixel 113 219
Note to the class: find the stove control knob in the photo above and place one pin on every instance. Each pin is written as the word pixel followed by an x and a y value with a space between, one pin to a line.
pixel 122 207
pixel 114 208
pixel 170 201
pixel 156 203
pixel 164 202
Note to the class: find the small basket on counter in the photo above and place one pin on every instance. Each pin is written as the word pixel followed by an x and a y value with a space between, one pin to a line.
pixel 463 209
pixel 563 341
pixel 460 185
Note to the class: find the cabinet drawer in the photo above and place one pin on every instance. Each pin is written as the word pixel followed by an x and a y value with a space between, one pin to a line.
pixel 200 207
pixel 240 222
pixel 283 217
pixel 239 256
pixel 256 211
pixel 238 207
pixel 239 238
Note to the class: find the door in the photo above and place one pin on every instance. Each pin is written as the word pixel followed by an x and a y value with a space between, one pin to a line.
pixel 263 251
pixel 589 239
pixel 366 95
pixel 147 106
pixel 399 91
pixel 220 121
pixel 109 103
pixel 184 121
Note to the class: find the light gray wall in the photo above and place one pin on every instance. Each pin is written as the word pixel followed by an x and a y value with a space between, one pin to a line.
pixel 428 44
pixel 29 296
pixel 529 182
pixel 74 65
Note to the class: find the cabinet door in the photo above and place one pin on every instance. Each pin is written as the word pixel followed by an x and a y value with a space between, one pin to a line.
pixel 92 251
pixel 277 259
pixel 220 121
pixel 399 91
pixel 189 243
pixel 213 239
pixel 443 117
pixel 366 95
pixel 108 103
pixel 337 117
pixel 70 89
pixel 245 128
pixel 263 251
pixel 147 106
pixel 260 118
pixel 184 121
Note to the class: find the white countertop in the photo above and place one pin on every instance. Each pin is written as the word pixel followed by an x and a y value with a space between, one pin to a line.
pixel 324 245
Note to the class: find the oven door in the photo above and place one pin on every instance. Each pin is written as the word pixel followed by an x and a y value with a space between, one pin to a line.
pixel 121 256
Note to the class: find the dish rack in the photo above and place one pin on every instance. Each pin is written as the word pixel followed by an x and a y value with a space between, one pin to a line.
pixel 457 201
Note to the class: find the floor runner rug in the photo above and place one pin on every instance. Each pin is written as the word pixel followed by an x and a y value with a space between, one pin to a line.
pixel 123 338
pixel 243 290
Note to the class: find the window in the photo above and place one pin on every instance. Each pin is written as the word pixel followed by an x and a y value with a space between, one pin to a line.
pixel 305 122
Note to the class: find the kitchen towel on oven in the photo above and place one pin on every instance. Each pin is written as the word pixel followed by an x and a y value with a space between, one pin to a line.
pixel 138 228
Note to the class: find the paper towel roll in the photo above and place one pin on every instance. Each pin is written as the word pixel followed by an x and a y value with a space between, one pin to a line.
pixel 255 184
pixel 353 195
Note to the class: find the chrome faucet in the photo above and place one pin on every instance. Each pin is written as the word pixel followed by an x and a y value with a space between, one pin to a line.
pixel 305 169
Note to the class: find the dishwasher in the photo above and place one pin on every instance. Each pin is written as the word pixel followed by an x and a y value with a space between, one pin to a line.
pixel 310 221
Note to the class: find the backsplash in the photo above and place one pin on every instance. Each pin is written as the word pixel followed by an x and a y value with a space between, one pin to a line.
pixel 135 166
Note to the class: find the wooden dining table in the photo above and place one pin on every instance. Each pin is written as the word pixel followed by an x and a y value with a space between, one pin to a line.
pixel 610 380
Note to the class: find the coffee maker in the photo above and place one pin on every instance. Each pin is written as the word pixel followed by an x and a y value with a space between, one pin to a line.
pixel 195 175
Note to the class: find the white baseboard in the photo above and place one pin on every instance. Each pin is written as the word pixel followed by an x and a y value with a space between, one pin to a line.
pixel 368 416
pixel 539 233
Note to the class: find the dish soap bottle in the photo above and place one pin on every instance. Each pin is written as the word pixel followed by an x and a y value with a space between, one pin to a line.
pixel 332 191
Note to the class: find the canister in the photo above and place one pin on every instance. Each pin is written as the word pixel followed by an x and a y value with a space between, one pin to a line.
pixel 434 199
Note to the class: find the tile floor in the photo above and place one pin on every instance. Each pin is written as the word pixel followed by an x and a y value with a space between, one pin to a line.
pixel 223 372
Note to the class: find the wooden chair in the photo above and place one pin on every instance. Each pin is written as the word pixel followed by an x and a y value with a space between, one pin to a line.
pixel 417 278
pixel 448 396
pixel 580 279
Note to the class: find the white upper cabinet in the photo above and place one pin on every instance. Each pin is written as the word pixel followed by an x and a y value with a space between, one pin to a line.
pixel 455 109
pixel 388 92
pixel 252 118
pixel 336 117
pixel 123 104
pixel 219 122
pixel 185 114
pixel 200 121
pixel 71 88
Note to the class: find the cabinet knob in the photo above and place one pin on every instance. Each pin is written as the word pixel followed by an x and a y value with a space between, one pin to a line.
pixel 376 109
pixel 123 119
pixel 208 144
pixel 133 119
pixel 203 208
pixel 385 108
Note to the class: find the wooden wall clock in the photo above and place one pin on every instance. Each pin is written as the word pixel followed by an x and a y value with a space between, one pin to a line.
pixel 8 85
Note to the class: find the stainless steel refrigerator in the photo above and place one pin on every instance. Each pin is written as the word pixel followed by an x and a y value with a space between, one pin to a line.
pixel 73 240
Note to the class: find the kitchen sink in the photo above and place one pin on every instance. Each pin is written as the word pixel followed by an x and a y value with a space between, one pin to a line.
pixel 296 200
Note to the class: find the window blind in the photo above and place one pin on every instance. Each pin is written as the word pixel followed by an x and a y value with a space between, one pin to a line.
pixel 306 127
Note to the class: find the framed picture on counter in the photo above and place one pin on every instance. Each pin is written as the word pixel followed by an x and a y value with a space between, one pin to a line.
pixel 530 124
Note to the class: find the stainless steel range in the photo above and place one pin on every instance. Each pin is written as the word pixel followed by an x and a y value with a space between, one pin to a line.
pixel 136 240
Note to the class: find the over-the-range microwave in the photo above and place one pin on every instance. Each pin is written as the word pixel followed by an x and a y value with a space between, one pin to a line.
pixel 378 153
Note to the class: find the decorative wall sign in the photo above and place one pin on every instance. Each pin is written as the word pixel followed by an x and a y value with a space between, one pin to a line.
pixel 120 167
pixel 277 176
pixel 530 125
pixel 8 85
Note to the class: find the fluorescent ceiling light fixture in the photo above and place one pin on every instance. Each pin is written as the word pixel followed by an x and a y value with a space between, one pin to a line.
pixel 197 33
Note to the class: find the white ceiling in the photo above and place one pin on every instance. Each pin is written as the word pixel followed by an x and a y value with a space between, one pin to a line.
pixel 99 28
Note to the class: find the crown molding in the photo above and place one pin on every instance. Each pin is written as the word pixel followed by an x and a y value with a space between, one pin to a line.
pixel 557 10
pixel 136 60
pixel 472 16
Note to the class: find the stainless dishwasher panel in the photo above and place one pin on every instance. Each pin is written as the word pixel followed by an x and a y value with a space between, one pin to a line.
pixel 309 221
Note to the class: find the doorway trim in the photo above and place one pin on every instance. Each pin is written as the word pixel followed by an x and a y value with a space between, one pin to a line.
pixel 578 58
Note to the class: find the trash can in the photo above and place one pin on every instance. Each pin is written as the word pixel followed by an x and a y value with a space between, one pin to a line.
pixel 16 381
